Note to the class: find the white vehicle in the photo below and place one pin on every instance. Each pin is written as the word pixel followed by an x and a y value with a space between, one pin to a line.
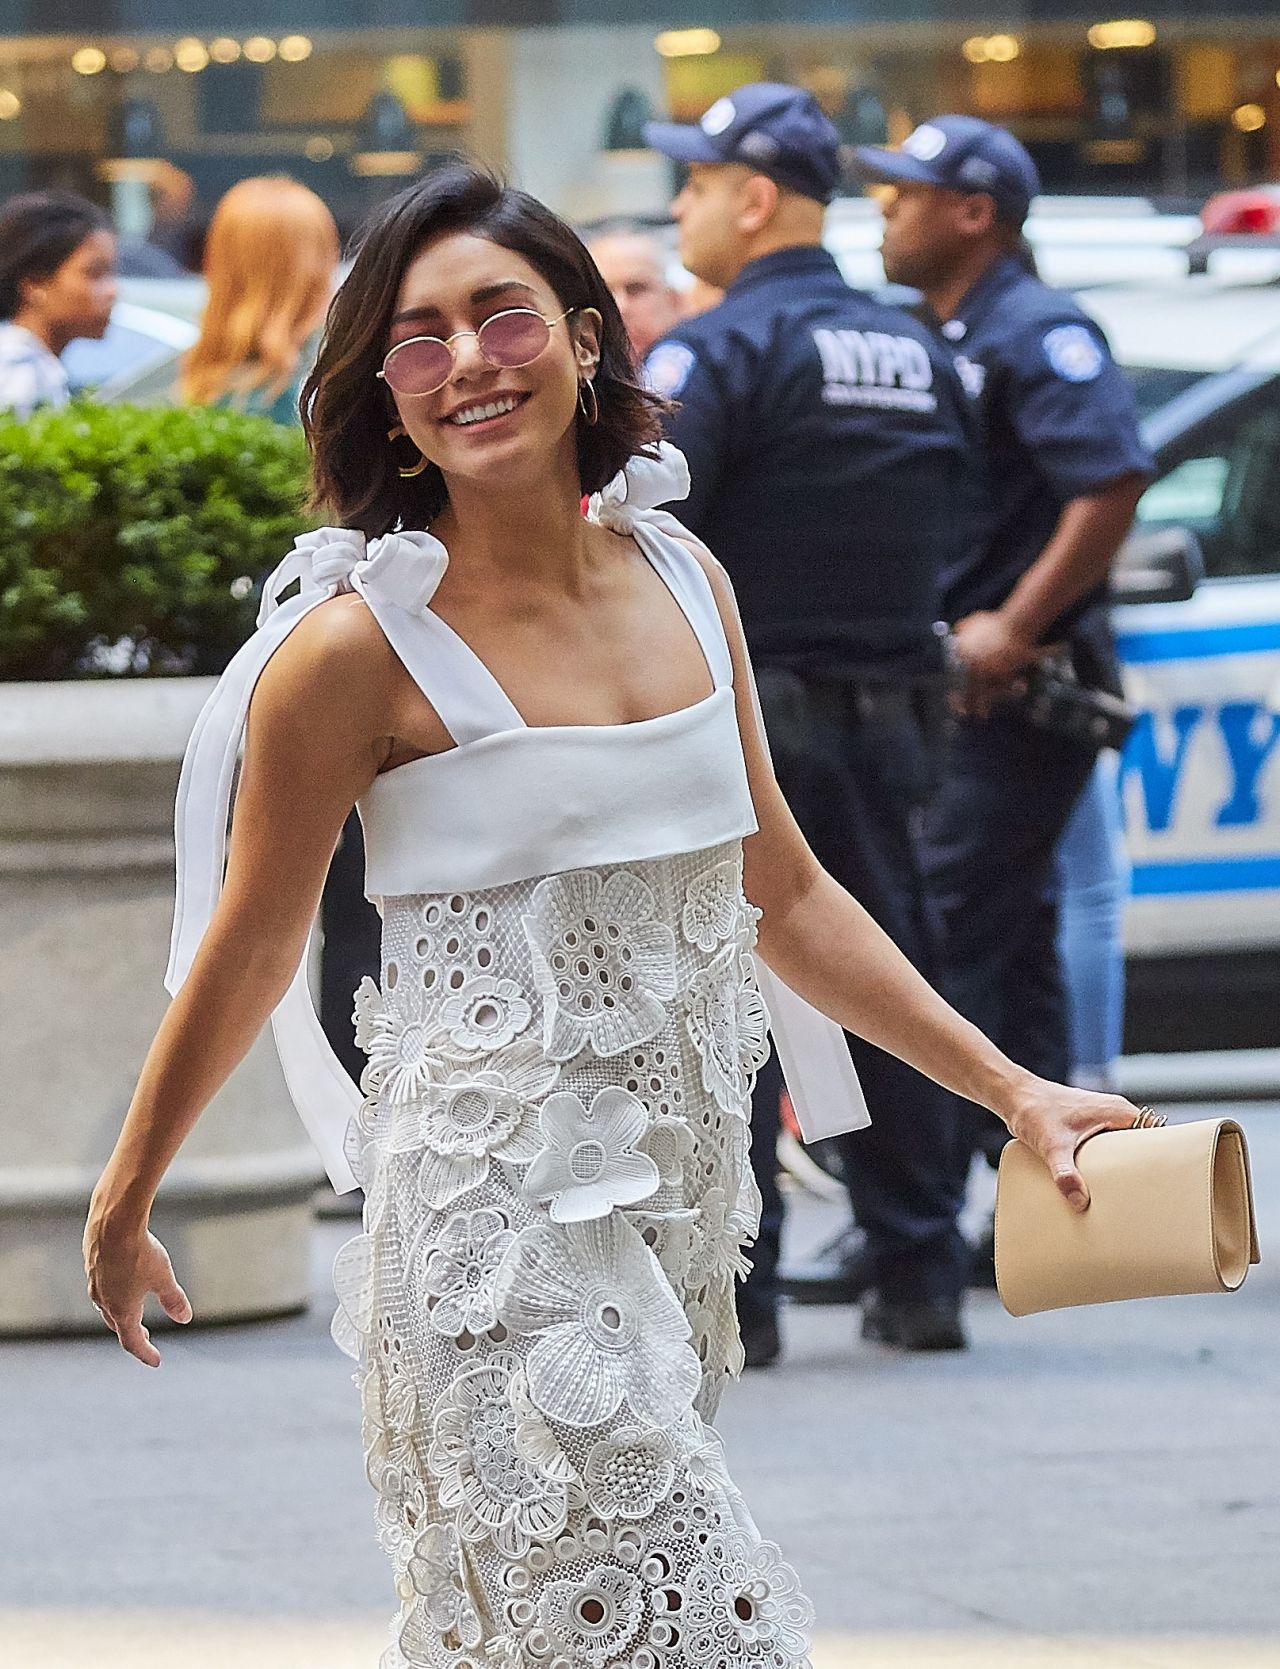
pixel 1201 772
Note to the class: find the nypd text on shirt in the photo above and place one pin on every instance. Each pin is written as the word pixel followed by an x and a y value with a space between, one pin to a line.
pixel 873 368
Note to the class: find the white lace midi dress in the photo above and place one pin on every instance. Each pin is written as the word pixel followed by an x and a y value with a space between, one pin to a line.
pixel 553 1145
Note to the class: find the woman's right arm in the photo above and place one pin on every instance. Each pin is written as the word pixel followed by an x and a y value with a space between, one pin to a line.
pixel 316 738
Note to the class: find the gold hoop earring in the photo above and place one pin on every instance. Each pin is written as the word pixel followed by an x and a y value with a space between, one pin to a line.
pixel 592 416
pixel 401 433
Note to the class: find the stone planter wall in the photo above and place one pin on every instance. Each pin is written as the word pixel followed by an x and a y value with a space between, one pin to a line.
pixel 88 773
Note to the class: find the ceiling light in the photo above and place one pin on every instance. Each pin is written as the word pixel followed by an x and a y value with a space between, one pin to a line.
pixel 294 49
pixel 10 105
pixel 124 59
pixel 89 60
pixel 318 149
pixel 224 50
pixel 687 43
pixel 1249 118
pixel 1122 32
pixel 190 55
pixel 991 49
pixel 259 50
pixel 158 60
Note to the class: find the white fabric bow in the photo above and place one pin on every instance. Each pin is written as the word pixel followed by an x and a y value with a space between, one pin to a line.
pixel 644 484
pixel 405 568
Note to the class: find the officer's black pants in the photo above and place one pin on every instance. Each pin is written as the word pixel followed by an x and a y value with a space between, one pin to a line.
pixel 856 792
pixel 352 932
pixel 1007 794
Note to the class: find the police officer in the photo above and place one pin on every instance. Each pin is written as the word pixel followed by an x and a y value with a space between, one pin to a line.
pixel 1065 466
pixel 827 445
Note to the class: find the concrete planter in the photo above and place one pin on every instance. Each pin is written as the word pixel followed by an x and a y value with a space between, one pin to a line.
pixel 87 779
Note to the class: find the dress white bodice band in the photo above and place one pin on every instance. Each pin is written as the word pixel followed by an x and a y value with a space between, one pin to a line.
pixel 508 802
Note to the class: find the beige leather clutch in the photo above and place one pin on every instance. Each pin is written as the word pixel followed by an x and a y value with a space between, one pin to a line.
pixel 1171 1211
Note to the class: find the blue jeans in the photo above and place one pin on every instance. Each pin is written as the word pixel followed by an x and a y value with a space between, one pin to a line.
pixel 1093 877
pixel 991 844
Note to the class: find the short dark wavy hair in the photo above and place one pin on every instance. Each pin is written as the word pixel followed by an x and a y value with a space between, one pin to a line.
pixel 346 411
pixel 38 232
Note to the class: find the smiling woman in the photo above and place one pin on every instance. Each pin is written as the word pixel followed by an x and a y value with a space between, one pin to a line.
pixel 576 841
pixel 401 303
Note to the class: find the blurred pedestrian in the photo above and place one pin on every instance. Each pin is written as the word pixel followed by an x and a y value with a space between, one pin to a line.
pixel 270 263
pixel 827 443
pixel 1065 467
pixel 177 227
pixel 57 282
pixel 164 252
pixel 631 262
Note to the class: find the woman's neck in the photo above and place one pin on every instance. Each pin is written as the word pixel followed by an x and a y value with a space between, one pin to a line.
pixel 531 534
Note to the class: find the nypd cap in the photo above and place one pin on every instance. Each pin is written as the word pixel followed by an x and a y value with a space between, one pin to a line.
pixel 771 128
pixel 959 153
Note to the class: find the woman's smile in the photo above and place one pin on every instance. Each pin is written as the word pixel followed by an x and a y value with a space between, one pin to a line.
pixel 484 414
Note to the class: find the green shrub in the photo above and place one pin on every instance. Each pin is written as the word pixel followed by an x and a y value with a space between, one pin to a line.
pixel 134 541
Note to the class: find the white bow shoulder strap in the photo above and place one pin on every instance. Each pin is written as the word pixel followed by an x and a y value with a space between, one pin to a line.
pixel 823 1084
pixel 402 569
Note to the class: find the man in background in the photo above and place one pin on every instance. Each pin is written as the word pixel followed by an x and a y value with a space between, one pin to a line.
pixel 1065 466
pixel 632 265
pixel 827 444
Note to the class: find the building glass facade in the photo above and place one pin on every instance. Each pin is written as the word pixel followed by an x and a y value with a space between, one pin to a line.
pixel 351 96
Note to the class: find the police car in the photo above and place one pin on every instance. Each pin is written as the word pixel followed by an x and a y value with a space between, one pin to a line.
pixel 1201 772
pixel 1195 321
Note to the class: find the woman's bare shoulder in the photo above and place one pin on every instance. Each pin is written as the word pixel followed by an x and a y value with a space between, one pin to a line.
pixel 335 654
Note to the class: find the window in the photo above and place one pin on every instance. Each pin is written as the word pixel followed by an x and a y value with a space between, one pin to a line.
pixel 1223 482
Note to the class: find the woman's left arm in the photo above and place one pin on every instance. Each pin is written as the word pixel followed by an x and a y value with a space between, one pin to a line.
pixel 822 943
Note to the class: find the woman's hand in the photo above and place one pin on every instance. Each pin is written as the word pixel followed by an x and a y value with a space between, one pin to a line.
pixel 122 1266
pixel 1054 1120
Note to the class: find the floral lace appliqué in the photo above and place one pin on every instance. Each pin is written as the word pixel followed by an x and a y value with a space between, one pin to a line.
pixel 589 1620
pixel 603 964
pixel 485 1013
pixel 435 1571
pixel 461 1270
pixel 606 1325
pixel 482 1111
pixel 728 1024
pixel 743 1607
pixel 403 1050
pixel 589 1162
pixel 629 1472
pixel 482 1478
pixel 713 906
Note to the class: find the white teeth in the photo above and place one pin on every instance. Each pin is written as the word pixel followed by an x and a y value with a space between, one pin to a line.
pixel 477 414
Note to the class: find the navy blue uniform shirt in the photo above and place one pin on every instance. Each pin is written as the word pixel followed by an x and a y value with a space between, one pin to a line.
pixel 1058 422
pixel 830 449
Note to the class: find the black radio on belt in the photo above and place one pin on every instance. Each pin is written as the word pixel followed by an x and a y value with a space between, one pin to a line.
pixel 1055 701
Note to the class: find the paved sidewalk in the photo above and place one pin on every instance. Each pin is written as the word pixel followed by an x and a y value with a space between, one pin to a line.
pixel 1095 1487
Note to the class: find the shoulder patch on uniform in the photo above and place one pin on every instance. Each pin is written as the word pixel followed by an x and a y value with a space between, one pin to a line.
pixel 668 368
pixel 1073 353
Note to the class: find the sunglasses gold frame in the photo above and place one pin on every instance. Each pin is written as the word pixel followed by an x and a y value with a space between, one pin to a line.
pixel 448 341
